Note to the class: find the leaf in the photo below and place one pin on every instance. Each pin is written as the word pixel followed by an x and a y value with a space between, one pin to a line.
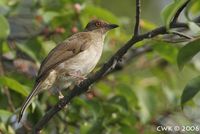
pixel 147 25
pixel 32 48
pixel 194 27
pixel 48 16
pixel 97 126
pixel 119 100
pixel 128 129
pixel 4 26
pixel 13 85
pixel 4 115
pixel 170 10
pixel 93 106
pixel 166 51
pixel 193 7
pixel 93 11
pixel 190 90
pixel 126 91
pixel 27 50
pixel 187 52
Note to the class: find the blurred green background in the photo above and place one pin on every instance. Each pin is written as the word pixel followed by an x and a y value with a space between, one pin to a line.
pixel 145 94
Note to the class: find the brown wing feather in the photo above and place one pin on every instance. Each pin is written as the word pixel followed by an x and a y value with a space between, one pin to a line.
pixel 64 51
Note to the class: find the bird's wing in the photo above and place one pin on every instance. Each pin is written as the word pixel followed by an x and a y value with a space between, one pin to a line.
pixel 64 51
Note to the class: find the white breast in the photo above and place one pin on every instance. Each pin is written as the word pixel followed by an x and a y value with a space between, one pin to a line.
pixel 85 61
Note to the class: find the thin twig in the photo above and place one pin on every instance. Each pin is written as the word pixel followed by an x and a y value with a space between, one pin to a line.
pixel 137 18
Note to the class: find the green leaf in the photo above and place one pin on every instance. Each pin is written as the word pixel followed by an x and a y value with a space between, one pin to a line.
pixel 166 51
pixel 187 52
pixel 4 26
pixel 170 10
pixel 48 16
pixel 190 90
pixel 126 91
pixel 4 115
pixel 93 11
pixel 93 106
pixel 128 129
pixel 32 48
pixel 147 25
pixel 119 100
pixel 27 50
pixel 97 126
pixel 194 27
pixel 13 85
pixel 193 7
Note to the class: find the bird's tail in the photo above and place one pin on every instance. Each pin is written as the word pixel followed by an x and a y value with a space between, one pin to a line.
pixel 28 100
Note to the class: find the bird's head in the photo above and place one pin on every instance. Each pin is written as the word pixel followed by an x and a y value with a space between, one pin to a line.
pixel 99 25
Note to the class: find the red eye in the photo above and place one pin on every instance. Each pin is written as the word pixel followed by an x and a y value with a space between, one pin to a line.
pixel 98 24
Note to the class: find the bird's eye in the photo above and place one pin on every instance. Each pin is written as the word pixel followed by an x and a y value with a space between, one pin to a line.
pixel 98 24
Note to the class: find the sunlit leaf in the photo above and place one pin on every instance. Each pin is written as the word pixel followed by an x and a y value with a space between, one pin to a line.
pixel 147 25
pixel 190 90
pixel 13 85
pixel 170 10
pixel 5 47
pixel 4 26
pixel 193 7
pixel 92 11
pixel 187 52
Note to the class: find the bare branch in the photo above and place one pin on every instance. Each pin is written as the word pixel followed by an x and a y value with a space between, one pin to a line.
pixel 137 18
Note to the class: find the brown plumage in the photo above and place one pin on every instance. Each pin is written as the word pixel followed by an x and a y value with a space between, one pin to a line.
pixel 70 60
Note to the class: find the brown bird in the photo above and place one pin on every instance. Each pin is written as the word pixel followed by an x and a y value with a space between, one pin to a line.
pixel 70 61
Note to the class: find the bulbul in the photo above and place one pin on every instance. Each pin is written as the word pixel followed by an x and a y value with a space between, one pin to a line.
pixel 70 61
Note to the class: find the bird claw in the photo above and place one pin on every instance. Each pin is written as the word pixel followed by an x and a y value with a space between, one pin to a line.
pixel 78 75
pixel 60 96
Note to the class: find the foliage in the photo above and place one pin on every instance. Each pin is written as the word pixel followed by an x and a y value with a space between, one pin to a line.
pixel 132 100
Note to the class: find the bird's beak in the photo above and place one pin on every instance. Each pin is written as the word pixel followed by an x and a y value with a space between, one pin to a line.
pixel 112 26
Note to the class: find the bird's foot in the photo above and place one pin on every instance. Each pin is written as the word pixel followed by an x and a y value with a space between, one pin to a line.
pixel 60 95
pixel 78 75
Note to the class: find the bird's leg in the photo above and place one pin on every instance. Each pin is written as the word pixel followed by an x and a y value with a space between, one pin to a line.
pixel 60 95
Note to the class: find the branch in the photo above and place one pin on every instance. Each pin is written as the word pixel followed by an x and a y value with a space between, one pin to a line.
pixel 137 18
pixel 175 19
pixel 129 56
pixel 83 86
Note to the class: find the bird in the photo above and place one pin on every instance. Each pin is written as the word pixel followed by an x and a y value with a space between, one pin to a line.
pixel 70 61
